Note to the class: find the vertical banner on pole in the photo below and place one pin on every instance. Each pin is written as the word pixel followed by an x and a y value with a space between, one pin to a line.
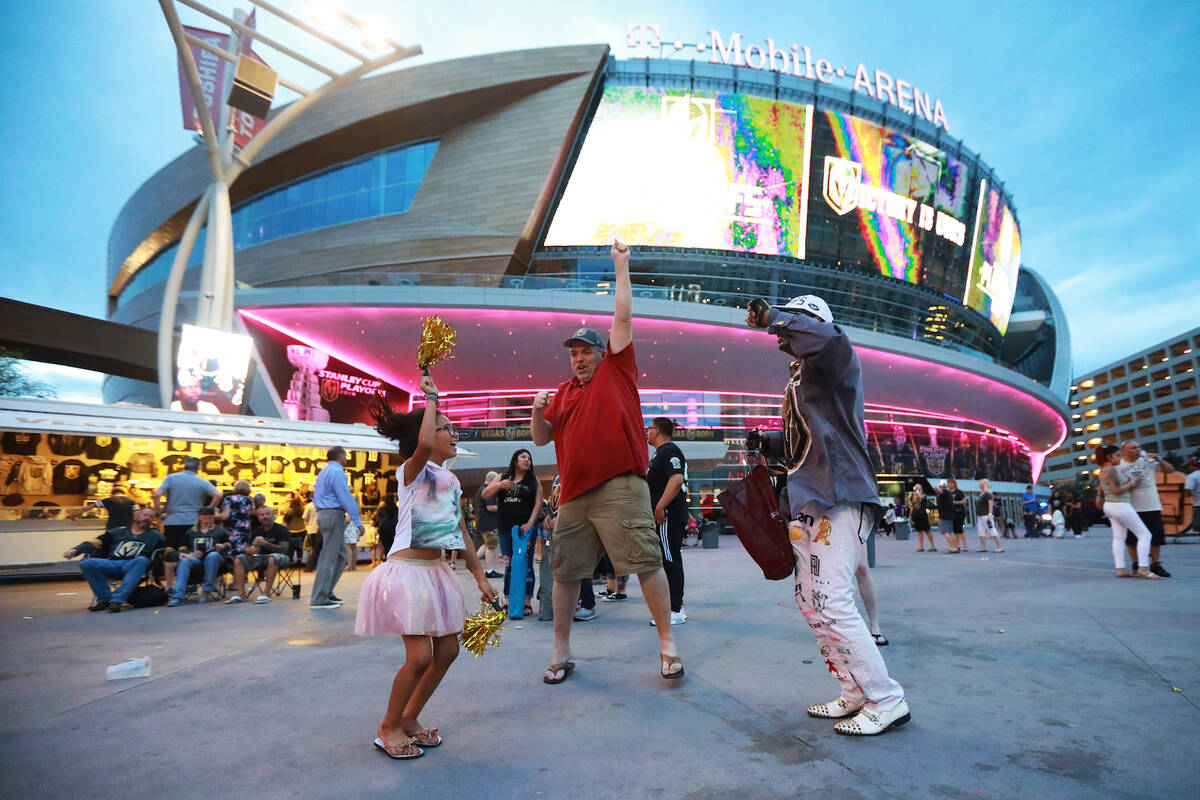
pixel 213 73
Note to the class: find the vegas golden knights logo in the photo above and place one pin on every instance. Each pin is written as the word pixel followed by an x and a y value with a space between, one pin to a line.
pixel 823 531
pixel 842 179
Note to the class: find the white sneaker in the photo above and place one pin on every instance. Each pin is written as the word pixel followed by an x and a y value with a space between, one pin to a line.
pixel 868 723
pixel 836 709
pixel 677 618
pixel 262 599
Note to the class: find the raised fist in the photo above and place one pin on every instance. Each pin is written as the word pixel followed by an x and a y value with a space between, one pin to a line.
pixel 541 400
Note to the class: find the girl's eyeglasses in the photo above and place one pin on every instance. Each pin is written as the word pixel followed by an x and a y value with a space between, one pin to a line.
pixel 448 429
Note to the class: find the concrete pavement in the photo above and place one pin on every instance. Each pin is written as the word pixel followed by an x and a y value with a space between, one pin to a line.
pixel 1030 674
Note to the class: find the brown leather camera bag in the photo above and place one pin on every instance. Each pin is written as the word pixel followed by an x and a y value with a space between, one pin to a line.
pixel 753 508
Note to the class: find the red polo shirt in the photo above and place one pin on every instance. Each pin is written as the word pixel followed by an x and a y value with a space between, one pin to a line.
pixel 598 427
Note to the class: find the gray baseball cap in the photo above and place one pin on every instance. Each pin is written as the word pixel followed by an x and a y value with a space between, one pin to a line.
pixel 587 336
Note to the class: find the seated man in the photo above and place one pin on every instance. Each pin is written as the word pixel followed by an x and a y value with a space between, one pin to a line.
pixel 205 544
pixel 268 549
pixel 123 553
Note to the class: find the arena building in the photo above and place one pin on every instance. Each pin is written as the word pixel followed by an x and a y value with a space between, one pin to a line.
pixel 486 190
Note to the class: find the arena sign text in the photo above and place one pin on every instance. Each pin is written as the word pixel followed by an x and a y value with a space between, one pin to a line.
pixel 647 43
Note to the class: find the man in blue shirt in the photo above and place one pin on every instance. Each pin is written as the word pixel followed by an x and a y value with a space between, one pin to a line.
pixel 1029 510
pixel 333 501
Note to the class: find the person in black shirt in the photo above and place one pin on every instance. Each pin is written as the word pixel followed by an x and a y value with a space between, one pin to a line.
pixel 519 496
pixel 667 478
pixel 120 508
pixel 121 553
pixel 945 507
pixel 960 514
pixel 270 547
pixel 205 544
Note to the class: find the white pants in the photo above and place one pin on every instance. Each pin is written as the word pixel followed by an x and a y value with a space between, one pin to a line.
pixel 985 527
pixel 828 546
pixel 1123 518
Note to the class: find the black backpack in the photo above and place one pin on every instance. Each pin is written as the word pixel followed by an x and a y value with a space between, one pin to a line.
pixel 147 596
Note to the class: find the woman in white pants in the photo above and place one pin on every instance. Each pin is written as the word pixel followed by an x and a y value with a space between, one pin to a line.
pixel 1120 513
pixel 985 521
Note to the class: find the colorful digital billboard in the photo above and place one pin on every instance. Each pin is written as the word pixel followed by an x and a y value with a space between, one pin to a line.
pixel 995 259
pixel 673 168
pixel 889 202
pixel 211 371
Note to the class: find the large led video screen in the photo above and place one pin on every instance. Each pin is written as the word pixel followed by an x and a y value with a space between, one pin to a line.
pixel 995 259
pixel 882 200
pixel 211 370
pixel 674 168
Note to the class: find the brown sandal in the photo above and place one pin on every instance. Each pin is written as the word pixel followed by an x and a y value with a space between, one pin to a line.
pixel 669 661
pixel 567 668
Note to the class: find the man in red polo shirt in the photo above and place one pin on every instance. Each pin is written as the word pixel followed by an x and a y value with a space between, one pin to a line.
pixel 595 421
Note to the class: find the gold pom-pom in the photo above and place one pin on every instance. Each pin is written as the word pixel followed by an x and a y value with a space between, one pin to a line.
pixel 437 342
pixel 482 629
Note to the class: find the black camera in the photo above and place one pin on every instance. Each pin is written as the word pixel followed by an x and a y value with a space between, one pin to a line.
pixel 766 443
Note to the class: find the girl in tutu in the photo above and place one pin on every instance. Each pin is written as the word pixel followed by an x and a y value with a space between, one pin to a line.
pixel 413 593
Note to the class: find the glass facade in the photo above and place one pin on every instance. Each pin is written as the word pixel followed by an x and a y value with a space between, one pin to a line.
pixel 381 184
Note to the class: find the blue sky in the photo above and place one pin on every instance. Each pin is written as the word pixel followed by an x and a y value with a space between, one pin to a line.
pixel 1085 109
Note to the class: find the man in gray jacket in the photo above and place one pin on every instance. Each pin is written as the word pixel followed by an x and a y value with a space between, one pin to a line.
pixel 833 504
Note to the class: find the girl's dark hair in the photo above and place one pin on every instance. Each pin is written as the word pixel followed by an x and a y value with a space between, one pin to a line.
pixel 665 426
pixel 1102 453
pixel 511 472
pixel 404 429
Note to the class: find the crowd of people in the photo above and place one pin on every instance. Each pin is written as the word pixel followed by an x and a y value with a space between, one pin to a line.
pixel 614 512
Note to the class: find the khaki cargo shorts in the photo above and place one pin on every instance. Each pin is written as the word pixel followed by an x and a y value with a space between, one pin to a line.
pixel 614 517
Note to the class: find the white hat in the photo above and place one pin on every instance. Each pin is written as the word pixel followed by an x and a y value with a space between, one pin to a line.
pixel 811 304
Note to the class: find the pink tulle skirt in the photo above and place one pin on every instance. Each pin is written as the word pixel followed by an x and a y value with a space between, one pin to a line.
pixel 411 597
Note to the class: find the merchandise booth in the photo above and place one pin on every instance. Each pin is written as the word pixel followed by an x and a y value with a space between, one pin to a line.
pixel 57 458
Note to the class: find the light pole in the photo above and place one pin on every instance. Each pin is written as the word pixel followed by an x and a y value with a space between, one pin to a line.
pixel 226 161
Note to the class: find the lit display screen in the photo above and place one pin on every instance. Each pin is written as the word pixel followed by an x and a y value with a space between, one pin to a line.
pixel 211 371
pixel 671 168
pixel 890 203
pixel 995 259
pixel 944 452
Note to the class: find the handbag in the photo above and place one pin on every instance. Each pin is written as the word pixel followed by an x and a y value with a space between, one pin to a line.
pixel 753 508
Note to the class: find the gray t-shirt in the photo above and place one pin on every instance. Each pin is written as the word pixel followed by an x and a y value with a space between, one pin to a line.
pixel 186 494
pixel 1192 484
pixel 1143 496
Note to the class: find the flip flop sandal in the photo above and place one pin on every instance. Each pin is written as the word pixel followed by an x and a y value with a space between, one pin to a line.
pixel 393 750
pixel 669 660
pixel 880 639
pixel 427 738
pixel 567 668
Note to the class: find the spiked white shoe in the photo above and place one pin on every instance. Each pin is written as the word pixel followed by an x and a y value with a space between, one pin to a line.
pixel 868 723
pixel 837 709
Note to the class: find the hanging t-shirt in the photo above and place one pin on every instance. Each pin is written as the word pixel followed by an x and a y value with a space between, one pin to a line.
pixel 142 464
pixel 213 465
pixel 70 477
pixel 179 446
pixel 304 465
pixel 101 448
pixel 243 471
pixel 109 471
pixel 65 445
pixel 35 478
pixel 174 464
pixel 428 511
pixel 19 443
pixel 668 461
